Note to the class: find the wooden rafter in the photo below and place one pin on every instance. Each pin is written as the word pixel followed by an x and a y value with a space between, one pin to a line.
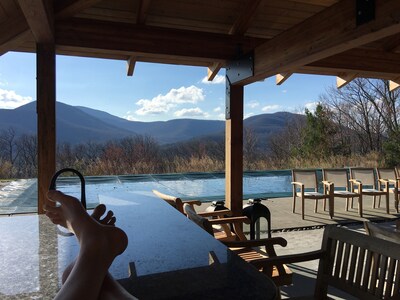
pixel 13 32
pixel 144 6
pixel 344 78
pixel 281 78
pixel 330 32
pixel 123 37
pixel 16 30
pixel 242 23
pixel 213 70
pixel 69 8
pixel 130 65
pixel 39 15
pixel 394 84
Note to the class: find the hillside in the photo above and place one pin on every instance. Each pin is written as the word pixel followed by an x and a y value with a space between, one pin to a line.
pixel 77 124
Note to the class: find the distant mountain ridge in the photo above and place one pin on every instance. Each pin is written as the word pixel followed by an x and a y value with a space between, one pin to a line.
pixel 78 124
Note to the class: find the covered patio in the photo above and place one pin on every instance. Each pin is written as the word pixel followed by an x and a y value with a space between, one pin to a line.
pixel 251 40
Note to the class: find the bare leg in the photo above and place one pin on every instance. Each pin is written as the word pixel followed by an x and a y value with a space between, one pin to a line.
pixel 110 289
pixel 99 245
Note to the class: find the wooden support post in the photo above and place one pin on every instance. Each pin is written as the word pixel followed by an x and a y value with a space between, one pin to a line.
pixel 234 149
pixel 46 116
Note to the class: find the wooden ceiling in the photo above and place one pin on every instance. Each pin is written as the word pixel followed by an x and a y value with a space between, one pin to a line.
pixel 286 37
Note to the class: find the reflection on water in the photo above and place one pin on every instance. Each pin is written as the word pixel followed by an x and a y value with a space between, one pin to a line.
pixel 21 195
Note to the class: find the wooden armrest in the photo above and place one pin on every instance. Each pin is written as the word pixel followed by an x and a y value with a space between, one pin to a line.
pixel 297 183
pixel 384 180
pixel 327 182
pixel 356 181
pixel 192 202
pixel 288 259
pixel 257 243
pixel 218 213
pixel 241 219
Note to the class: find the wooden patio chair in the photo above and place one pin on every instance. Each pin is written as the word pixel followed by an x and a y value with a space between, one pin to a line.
pixel 176 202
pixel 249 250
pixel 338 180
pixel 382 232
pixel 363 266
pixel 305 186
pixel 387 177
pixel 364 181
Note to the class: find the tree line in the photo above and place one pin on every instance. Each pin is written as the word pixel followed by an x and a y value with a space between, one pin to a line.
pixel 357 125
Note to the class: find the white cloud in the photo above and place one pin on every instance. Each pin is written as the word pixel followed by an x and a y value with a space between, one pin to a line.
pixel 253 104
pixel 284 91
pixel 221 117
pixel 191 112
pixel 248 115
pixel 271 108
pixel 217 109
pixel 11 100
pixel 129 116
pixel 163 103
pixel 311 106
pixel 219 79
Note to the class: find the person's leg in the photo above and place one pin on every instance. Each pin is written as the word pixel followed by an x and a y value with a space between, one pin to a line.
pixel 99 245
pixel 110 289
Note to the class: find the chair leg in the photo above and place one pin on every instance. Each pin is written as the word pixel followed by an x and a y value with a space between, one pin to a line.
pixel 316 206
pixel 294 203
pixel 347 204
pixel 302 208
pixel 324 204
pixel 387 203
pixel 374 202
pixel 379 201
pixel 396 200
pixel 360 206
pixel 352 202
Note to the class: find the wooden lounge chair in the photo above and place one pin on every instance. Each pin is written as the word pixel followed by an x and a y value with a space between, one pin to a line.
pixel 338 180
pixel 360 265
pixel 249 250
pixel 382 232
pixel 387 177
pixel 305 186
pixel 364 181
pixel 175 201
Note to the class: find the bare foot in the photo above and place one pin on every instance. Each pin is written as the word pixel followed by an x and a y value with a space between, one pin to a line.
pixel 67 211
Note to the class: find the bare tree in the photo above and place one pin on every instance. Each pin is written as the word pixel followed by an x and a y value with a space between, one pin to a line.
pixel 8 148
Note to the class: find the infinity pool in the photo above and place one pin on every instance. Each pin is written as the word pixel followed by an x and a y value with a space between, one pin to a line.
pixel 20 196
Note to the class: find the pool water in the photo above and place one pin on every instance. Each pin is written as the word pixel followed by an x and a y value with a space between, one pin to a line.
pixel 20 196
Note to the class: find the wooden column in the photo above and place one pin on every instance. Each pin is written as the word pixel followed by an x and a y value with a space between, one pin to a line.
pixel 234 148
pixel 46 116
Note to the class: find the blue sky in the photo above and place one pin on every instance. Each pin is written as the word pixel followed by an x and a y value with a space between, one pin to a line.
pixel 155 92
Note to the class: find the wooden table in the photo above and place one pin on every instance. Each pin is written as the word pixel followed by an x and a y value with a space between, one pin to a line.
pixel 168 257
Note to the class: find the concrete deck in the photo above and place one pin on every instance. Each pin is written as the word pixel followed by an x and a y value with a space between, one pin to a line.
pixel 306 235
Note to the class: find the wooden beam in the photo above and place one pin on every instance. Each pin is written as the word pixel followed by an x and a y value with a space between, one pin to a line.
pixel 144 6
pixel 39 15
pixel 243 22
pixel 281 78
pixel 344 79
pixel 130 65
pixel 362 60
pixel 394 84
pixel 16 30
pixel 327 33
pixel 92 34
pixel 46 117
pixel 69 8
pixel 13 32
pixel 234 150
pixel 213 70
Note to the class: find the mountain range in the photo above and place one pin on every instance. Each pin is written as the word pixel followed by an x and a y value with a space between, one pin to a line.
pixel 78 124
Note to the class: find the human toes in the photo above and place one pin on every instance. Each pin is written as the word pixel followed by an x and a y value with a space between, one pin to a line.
pixel 109 219
pixel 98 211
